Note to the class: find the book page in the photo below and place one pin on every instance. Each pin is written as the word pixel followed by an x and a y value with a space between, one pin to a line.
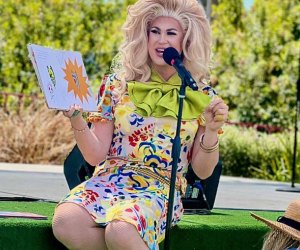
pixel 62 78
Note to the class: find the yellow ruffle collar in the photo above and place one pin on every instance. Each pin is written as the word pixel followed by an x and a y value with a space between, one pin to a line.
pixel 159 98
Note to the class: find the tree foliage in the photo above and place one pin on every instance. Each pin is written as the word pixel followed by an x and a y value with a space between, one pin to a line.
pixel 255 52
pixel 91 27
pixel 256 58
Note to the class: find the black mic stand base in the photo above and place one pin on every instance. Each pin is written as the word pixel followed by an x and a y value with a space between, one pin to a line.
pixel 289 189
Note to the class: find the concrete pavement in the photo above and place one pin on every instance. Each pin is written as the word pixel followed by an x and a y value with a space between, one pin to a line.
pixel 48 182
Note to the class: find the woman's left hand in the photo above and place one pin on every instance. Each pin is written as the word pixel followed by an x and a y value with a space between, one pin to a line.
pixel 216 114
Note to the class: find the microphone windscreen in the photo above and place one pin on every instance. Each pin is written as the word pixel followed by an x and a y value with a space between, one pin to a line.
pixel 170 54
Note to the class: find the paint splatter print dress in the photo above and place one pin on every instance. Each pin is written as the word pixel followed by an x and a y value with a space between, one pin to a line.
pixel 130 184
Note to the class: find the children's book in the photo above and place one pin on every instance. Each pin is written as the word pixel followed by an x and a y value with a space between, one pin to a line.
pixel 62 78
pixel 9 214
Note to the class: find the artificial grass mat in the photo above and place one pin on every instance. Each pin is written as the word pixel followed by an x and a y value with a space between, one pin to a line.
pixel 224 229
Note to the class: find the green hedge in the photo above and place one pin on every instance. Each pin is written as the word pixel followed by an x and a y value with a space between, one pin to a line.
pixel 249 153
pixel 92 27
pixel 256 78
pixel 256 59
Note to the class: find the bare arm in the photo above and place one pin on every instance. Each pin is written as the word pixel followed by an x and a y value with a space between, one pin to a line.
pixel 93 143
pixel 203 162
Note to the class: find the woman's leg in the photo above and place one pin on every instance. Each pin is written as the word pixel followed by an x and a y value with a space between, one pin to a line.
pixel 73 226
pixel 122 235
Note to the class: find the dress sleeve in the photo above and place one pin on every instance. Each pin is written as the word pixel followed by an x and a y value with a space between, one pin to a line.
pixel 106 101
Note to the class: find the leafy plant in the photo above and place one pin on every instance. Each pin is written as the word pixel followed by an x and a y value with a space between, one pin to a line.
pixel 91 27
pixel 249 153
pixel 256 56
pixel 280 167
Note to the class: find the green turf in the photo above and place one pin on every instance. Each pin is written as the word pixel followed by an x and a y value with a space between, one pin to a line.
pixel 222 229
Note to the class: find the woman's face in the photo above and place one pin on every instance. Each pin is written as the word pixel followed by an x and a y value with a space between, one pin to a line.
pixel 164 32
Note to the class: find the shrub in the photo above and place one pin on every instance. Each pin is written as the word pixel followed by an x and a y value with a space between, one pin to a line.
pixel 91 27
pixel 249 153
pixel 258 77
pixel 35 135
pixel 42 136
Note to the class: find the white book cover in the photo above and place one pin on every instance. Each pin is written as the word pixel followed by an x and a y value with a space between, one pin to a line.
pixel 62 78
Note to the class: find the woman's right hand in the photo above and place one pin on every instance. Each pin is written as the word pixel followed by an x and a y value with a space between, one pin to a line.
pixel 74 111
pixel 75 115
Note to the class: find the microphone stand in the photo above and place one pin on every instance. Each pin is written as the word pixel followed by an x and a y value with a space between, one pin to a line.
pixel 175 156
pixel 293 188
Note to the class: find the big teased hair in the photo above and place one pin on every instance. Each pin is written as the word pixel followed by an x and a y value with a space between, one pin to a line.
pixel 134 59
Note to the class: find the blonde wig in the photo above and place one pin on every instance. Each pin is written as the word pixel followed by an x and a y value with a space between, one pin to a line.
pixel 134 58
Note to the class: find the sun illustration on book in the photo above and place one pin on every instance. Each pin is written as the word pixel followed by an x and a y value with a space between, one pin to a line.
pixel 76 81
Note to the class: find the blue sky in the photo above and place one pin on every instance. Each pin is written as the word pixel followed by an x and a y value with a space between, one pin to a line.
pixel 248 3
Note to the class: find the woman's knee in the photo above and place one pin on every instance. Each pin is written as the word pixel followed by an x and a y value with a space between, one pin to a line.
pixel 73 226
pixel 69 219
pixel 120 233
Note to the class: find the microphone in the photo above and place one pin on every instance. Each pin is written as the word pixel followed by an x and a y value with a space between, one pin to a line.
pixel 172 57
